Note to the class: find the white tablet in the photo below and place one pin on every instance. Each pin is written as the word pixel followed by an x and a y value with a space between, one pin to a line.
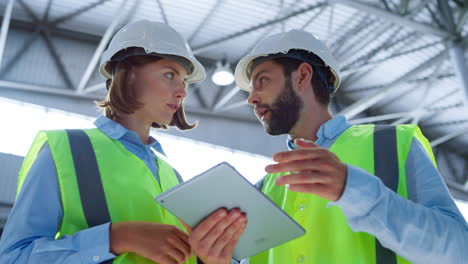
pixel 222 186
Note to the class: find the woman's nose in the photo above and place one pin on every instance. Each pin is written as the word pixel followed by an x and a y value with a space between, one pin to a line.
pixel 181 90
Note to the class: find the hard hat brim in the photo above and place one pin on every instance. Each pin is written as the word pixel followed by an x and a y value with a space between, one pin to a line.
pixel 196 73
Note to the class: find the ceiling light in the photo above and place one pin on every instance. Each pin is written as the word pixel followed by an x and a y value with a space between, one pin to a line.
pixel 223 75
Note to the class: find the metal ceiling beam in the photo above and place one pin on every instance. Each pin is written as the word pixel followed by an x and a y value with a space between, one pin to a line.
pixel 312 18
pixel 447 16
pixel 377 118
pixel 390 42
pixel 224 116
pixel 417 114
pixel 44 89
pixel 226 98
pixel 95 87
pixel 58 61
pixel 100 48
pixel 428 108
pixel 205 20
pixel 361 24
pixel 330 25
pixel 396 19
pixel 415 82
pixel 458 191
pixel 19 53
pixel 217 96
pixel 270 28
pixel 406 116
pixel 464 173
pixel 434 16
pixel 6 204
pixel 5 27
pixel 359 38
pixel 463 17
pixel 420 6
pixel 29 11
pixel 77 12
pixel 457 51
pixel 422 108
pixel 234 105
pixel 371 100
pixel 449 136
pixel 199 96
pixel 387 7
pixel 74 94
pixel 404 6
pixel 457 55
pixel 43 29
pixel 163 13
pixel 458 175
pixel 209 45
pixel 348 71
pixel 348 59
pixel 65 33
pixel 451 123
pixel 447 106
pixel 45 17
pixel 389 57
pixel 59 32
pixel 447 158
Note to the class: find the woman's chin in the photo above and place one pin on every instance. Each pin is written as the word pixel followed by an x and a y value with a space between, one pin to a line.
pixel 164 121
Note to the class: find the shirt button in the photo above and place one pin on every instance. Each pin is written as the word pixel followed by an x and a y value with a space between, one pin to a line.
pixel 301 207
pixel 300 259
pixel 96 258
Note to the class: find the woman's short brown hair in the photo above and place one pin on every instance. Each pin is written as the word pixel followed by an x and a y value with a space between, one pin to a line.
pixel 122 97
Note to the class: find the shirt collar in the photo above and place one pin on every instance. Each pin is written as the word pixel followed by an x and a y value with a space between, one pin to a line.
pixel 330 130
pixel 116 131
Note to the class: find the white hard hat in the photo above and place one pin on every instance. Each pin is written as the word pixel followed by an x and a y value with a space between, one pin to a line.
pixel 153 38
pixel 283 43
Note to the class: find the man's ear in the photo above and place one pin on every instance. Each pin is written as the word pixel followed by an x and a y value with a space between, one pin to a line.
pixel 304 74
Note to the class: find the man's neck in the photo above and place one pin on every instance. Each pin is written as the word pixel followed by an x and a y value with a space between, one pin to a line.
pixel 309 123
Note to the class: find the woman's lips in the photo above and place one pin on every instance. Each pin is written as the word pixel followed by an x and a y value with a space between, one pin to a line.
pixel 173 107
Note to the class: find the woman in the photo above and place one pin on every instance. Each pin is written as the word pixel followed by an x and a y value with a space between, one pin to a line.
pixel 87 196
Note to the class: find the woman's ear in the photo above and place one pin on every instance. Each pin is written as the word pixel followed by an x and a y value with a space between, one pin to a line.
pixel 134 82
pixel 304 74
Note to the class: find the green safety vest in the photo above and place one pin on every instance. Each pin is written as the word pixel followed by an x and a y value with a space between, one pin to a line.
pixel 111 184
pixel 328 238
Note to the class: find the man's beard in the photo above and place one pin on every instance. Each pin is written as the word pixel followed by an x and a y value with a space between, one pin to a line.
pixel 285 111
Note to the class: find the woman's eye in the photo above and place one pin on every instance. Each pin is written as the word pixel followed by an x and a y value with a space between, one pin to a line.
pixel 169 75
pixel 263 80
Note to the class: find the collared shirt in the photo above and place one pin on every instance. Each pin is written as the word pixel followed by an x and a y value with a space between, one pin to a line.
pixel 426 228
pixel 29 234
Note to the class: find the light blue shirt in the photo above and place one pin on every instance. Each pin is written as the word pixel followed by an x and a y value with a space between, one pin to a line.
pixel 427 228
pixel 29 234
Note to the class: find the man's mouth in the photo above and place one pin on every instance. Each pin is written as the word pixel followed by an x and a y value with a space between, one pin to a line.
pixel 262 113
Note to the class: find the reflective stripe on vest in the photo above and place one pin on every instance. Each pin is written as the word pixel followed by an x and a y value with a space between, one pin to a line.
pixel 385 167
pixel 89 180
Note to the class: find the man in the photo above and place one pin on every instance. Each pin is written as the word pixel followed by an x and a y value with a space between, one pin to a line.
pixel 364 194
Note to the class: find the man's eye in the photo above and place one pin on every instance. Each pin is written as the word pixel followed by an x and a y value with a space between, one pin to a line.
pixel 263 80
pixel 169 75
